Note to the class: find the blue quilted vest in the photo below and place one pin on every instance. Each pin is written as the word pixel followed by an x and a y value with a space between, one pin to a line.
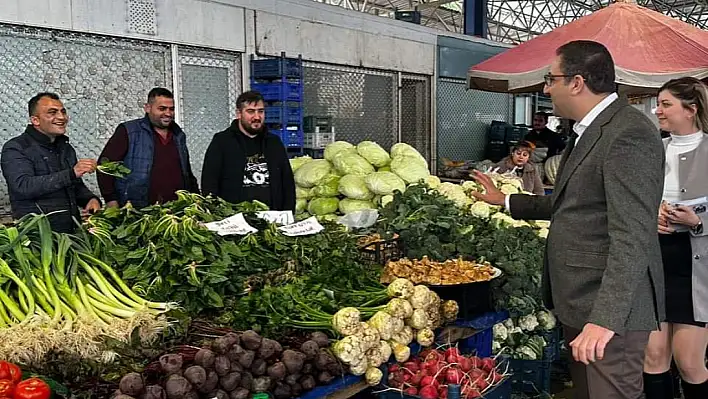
pixel 141 148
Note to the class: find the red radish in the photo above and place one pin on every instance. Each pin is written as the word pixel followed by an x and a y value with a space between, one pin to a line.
pixel 453 376
pixel 488 364
pixel 443 392
pixel 407 377
pixel 495 376
pixel 411 391
pixel 465 364
pixel 451 355
pixel 429 380
pixel 417 378
pixel 473 393
pixel 475 361
pixel 411 366
pixel 476 374
pixel 393 368
pixel 482 384
pixel 429 392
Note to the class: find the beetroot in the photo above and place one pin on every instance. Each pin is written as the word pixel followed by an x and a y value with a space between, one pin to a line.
pixel 429 392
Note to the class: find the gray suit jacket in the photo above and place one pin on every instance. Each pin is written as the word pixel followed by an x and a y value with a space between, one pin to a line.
pixel 603 261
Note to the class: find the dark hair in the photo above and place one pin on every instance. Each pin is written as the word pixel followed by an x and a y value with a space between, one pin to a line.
pixel 524 145
pixel 159 92
pixel 691 91
pixel 592 61
pixel 32 103
pixel 543 114
pixel 248 97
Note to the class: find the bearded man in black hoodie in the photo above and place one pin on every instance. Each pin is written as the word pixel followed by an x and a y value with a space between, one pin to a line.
pixel 245 162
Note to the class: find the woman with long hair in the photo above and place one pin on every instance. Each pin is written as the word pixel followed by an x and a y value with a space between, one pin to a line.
pixel 683 112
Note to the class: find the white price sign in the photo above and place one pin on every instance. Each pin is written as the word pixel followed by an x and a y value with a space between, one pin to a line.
pixel 282 218
pixel 234 225
pixel 303 228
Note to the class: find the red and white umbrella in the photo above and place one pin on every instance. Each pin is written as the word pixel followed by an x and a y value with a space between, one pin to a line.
pixel 649 48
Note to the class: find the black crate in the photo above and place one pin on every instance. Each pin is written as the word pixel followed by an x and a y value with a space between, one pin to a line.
pixel 497 131
pixel 380 252
pixel 312 124
pixel 497 150
pixel 473 299
pixel 515 133
pixel 276 68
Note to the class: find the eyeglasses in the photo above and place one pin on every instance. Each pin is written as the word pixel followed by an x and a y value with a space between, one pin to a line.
pixel 549 78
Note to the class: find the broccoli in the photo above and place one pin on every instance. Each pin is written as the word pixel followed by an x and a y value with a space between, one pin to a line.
pixel 525 353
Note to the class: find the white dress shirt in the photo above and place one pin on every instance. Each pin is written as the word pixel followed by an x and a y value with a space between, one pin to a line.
pixel 580 127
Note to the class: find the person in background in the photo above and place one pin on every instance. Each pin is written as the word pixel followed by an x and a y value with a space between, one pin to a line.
pixel 683 112
pixel 42 172
pixel 518 163
pixel 603 275
pixel 154 148
pixel 245 162
pixel 541 136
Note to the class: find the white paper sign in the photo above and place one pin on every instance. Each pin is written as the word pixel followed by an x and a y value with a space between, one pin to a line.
pixel 235 224
pixel 303 228
pixel 282 218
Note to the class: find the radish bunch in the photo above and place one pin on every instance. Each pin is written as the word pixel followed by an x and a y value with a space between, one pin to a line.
pixel 428 374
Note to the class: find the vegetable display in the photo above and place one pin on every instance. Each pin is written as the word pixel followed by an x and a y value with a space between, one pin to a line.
pixel 449 272
pixel 521 337
pixel 236 366
pixel 428 374
pixel 353 178
pixel 57 296
pixel 13 387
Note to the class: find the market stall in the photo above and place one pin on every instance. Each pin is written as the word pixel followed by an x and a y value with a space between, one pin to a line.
pixel 380 265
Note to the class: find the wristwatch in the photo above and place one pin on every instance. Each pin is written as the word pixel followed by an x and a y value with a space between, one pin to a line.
pixel 697 229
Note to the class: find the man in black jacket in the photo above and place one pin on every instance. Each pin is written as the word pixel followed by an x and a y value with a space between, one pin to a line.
pixel 543 137
pixel 245 162
pixel 41 169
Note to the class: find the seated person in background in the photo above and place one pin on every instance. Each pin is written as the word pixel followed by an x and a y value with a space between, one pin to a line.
pixel 542 136
pixel 518 163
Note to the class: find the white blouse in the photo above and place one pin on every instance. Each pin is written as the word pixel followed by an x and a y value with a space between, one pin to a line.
pixel 679 144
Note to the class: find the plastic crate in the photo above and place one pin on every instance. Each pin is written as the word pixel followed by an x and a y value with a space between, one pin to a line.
pixel 380 252
pixel 279 91
pixel 500 391
pixel 318 140
pixel 497 131
pixel 276 68
pixel 515 133
pixel 473 299
pixel 553 339
pixel 337 384
pixel 290 138
pixel 534 376
pixel 283 115
pixel 317 124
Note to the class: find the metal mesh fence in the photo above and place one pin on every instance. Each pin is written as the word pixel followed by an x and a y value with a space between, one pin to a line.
pixel 363 103
pixel 463 117
pixel 210 83
pixel 415 113
pixel 102 81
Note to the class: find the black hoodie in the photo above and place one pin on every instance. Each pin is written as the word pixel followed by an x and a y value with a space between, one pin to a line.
pixel 225 161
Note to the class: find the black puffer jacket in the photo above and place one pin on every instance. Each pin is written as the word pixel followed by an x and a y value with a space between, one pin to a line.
pixel 40 178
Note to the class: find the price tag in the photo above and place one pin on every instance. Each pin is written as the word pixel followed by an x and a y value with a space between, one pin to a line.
pixel 306 227
pixel 282 218
pixel 234 225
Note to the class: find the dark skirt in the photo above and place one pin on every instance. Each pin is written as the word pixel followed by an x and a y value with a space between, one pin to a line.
pixel 676 255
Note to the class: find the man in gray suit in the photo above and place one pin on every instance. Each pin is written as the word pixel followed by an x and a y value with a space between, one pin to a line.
pixel 602 273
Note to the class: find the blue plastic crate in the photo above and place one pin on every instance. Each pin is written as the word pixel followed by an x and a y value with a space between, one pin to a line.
pixel 479 343
pixel 337 385
pixel 283 115
pixel 483 320
pixel 279 91
pixel 276 68
pixel 531 376
pixel 553 338
pixel 290 138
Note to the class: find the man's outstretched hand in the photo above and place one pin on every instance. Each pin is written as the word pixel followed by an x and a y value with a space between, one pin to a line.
pixel 493 195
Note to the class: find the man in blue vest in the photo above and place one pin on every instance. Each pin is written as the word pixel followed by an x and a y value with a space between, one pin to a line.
pixel 154 148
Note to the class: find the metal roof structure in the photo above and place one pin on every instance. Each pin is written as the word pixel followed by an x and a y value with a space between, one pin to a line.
pixel 518 21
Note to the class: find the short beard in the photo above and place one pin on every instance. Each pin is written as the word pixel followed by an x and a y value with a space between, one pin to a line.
pixel 251 130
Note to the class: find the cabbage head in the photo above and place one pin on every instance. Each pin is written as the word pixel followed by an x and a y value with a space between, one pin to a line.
pixel 328 187
pixel 302 193
pixel 386 168
pixel 323 206
pixel 296 162
pixel 330 217
pixel 409 168
pixel 334 148
pixel 354 187
pixel 300 205
pixel 349 205
pixel 403 149
pixel 312 173
pixel 386 199
pixel 384 183
pixel 351 163
pixel 373 153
